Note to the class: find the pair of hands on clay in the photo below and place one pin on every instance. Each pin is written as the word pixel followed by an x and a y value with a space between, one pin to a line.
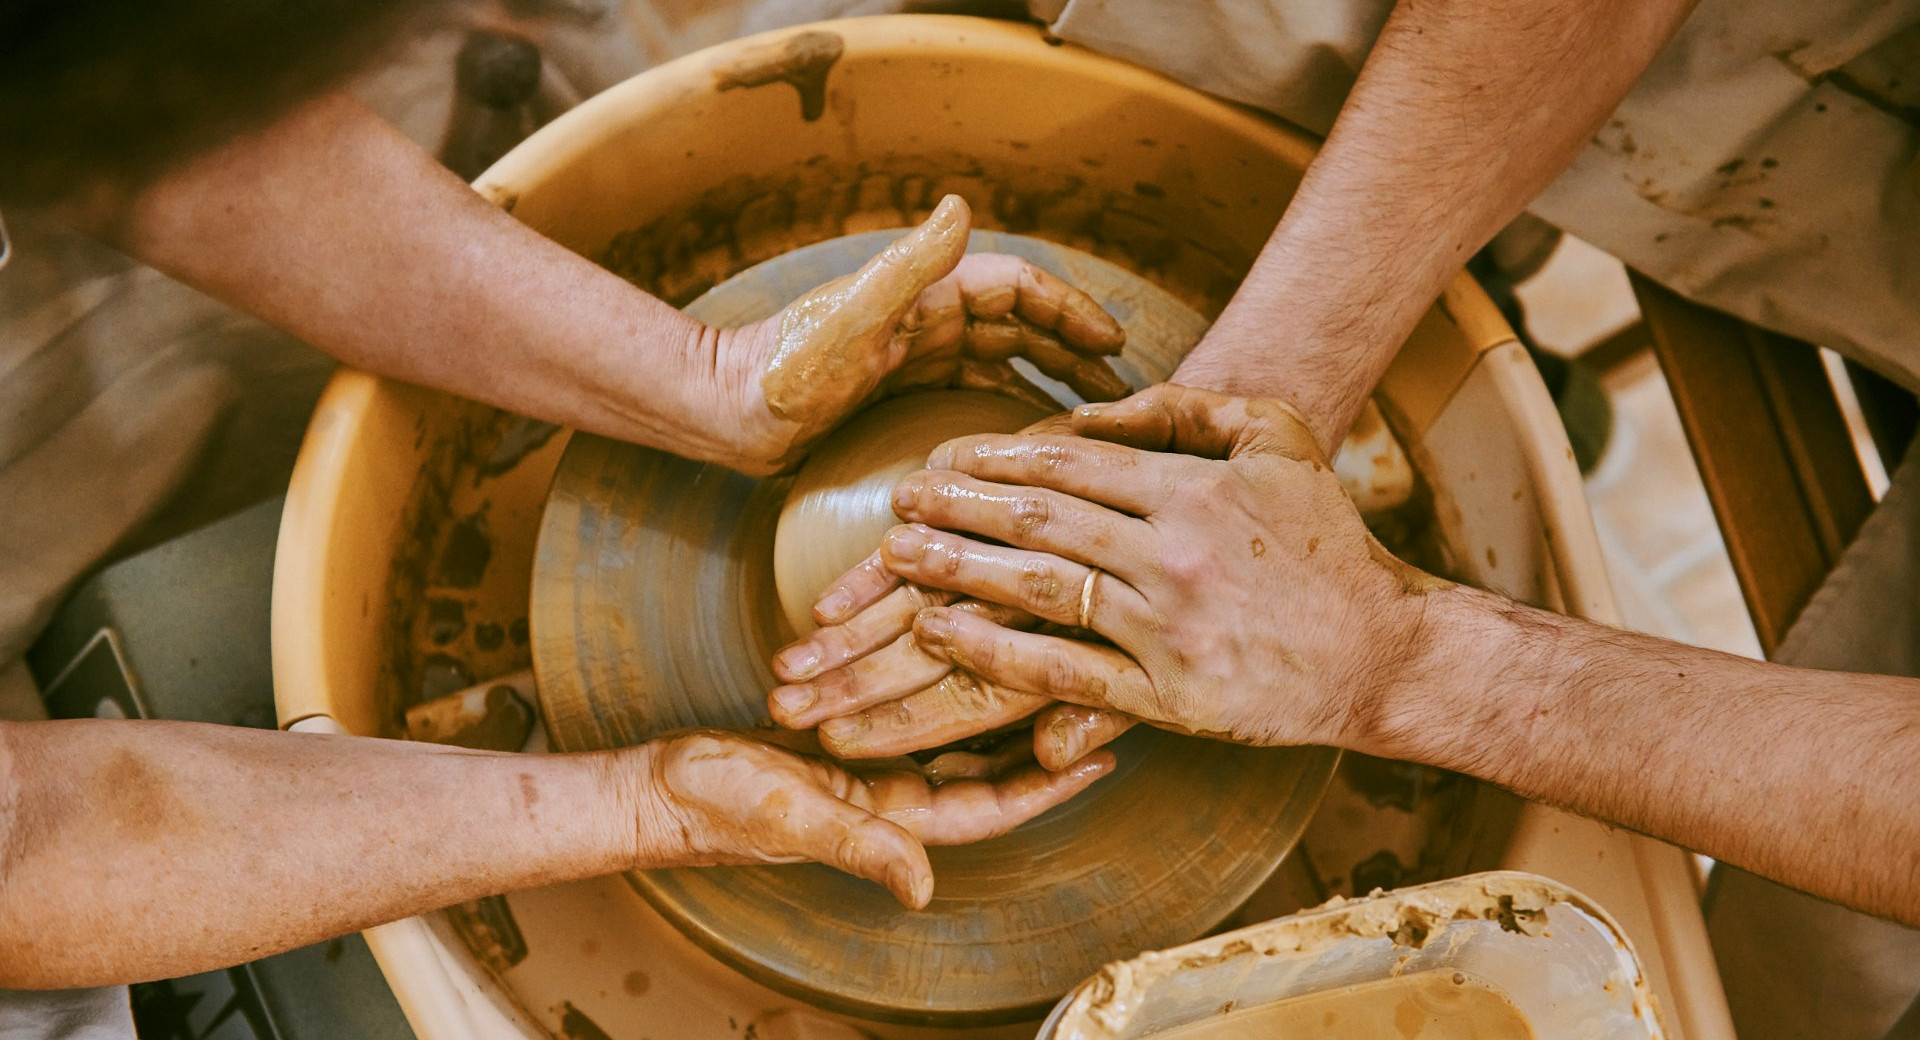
pixel 1240 594
pixel 710 798
pixel 922 315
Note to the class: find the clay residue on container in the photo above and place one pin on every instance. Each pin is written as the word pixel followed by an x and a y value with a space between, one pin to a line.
pixel 575 1025
pixel 801 60
pixel 1432 1005
pixel 465 554
pixel 520 438
pixel 491 718
pixel 1103 1007
pixel 1171 241
pixel 488 927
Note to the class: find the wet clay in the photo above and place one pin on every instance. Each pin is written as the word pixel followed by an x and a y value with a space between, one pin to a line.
pixel 841 502
pixel 830 339
pixel 802 60
pixel 1433 1005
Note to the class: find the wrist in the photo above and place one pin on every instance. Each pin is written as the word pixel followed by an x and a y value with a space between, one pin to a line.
pixel 636 812
pixel 1451 703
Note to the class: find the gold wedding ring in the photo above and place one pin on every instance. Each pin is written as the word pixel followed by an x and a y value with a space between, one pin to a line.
pixel 1086 597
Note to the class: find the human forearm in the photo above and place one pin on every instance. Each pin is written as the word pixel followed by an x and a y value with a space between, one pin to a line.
pixel 1465 110
pixel 132 850
pixel 1799 775
pixel 332 225
pixel 139 849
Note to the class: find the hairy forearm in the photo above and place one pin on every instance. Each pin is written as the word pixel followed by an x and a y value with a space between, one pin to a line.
pixel 134 850
pixel 335 227
pixel 1802 776
pixel 1465 110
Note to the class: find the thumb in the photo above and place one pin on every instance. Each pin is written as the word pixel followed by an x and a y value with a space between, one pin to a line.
pixel 1066 733
pixel 891 281
pixel 1206 423
pixel 845 837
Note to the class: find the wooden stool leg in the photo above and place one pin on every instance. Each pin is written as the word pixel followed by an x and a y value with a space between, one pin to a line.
pixel 1772 446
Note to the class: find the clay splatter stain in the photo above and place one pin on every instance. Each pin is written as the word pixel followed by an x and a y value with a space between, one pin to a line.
pixel 446 620
pixel 521 438
pixel 801 60
pixel 464 558
pixel 635 983
pixel 575 1025
pixel 488 927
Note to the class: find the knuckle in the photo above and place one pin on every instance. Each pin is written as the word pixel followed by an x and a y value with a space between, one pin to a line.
pixel 1215 488
pixel 1058 671
pixel 1040 585
pixel 1186 564
pixel 1032 513
pixel 980 655
pixel 943 558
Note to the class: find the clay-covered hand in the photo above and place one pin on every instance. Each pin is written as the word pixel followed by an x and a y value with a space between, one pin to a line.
pixel 1242 596
pixel 708 797
pixel 873 691
pixel 922 315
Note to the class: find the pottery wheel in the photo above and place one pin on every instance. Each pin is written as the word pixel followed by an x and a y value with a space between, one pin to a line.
pixel 655 608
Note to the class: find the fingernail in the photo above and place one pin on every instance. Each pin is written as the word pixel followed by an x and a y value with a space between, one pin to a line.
pixel 797 662
pixel 833 607
pixel 793 699
pixel 900 882
pixel 906 544
pixel 941 457
pixel 847 729
pixel 923 891
pixel 933 626
pixel 905 495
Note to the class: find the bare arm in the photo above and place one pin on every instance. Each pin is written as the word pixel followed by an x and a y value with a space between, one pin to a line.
pixel 332 225
pixel 1244 599
pixel 1802 776
pixel 137 850
pixel 1465 110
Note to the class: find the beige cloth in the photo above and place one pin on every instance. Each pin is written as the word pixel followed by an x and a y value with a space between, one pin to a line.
pixel 116 385
pixel 1795 966
pixel 1767 164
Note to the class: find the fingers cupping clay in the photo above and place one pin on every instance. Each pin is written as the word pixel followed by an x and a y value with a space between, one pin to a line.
pixel 826 357
pixel 840 504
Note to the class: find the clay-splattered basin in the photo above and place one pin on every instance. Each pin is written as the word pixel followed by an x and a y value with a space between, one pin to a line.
pixel 654 609
pixel 407 545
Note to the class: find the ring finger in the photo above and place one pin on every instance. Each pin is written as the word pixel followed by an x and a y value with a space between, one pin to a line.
pixel 1027 518
pixel 1046 586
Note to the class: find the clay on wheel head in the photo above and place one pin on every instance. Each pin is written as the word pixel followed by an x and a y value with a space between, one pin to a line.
pixel 841 504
